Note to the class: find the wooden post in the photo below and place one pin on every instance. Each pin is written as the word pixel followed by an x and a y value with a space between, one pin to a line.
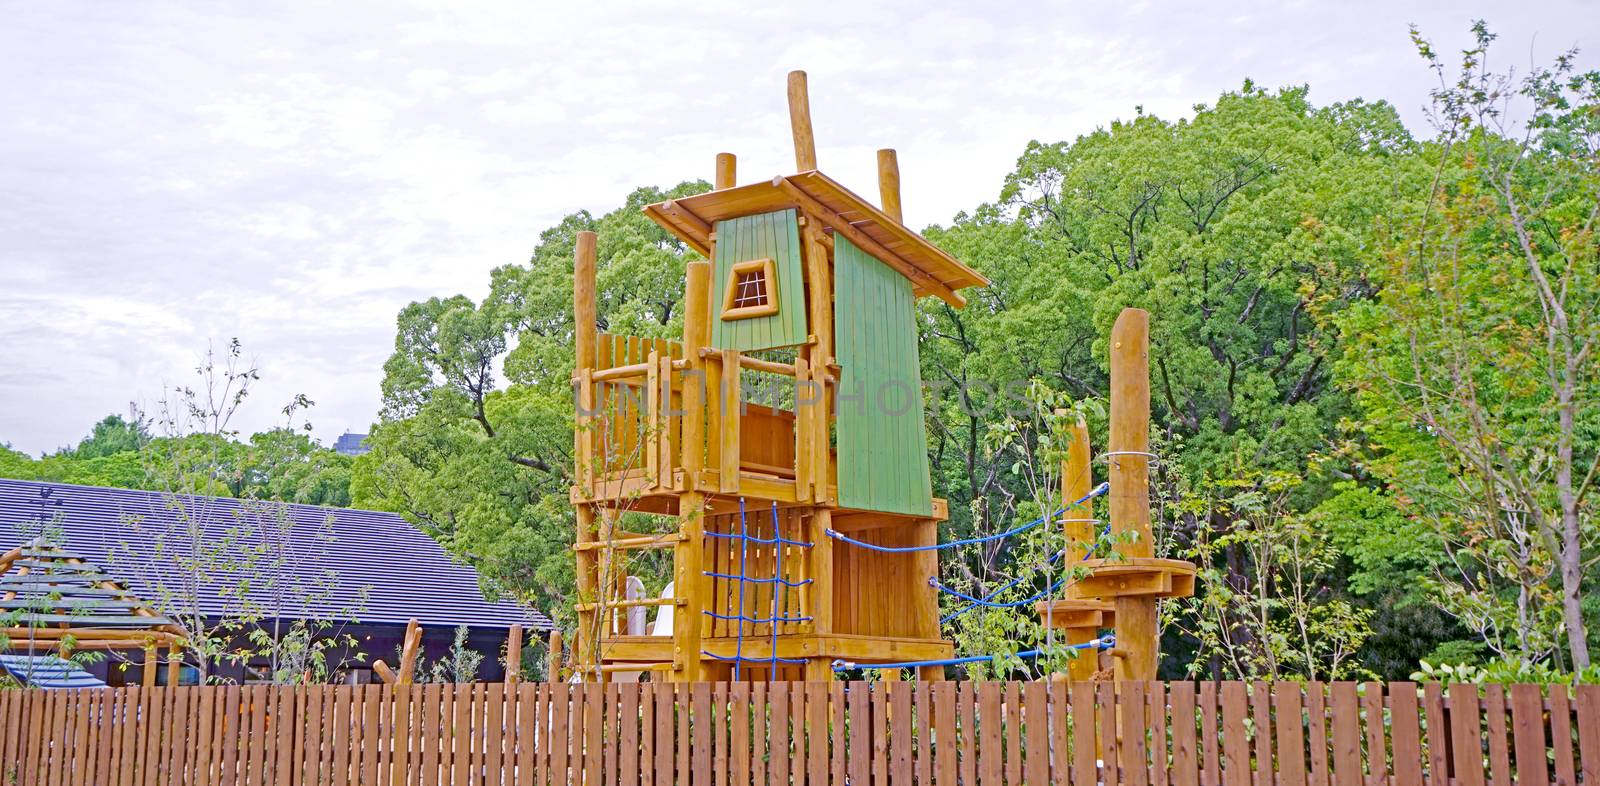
pixel 1137 636
pixel 821 554
pixel 727 167
pixel 686 577
pixel 584 644
pixel 174 664
pixel 514 655
pixel 583 307
pixel 819 281
pixel 552 669
pixel 889 183
pixel 408 652
pixel 696 333
pixel 585 341
pixel 151 658
pixel 805 145
pixel 1076 480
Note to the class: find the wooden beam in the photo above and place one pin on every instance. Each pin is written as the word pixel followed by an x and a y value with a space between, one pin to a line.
pixel 700 242
pixel 805 144
pixel 384 672
pixel 514 655
pixel 638 543
pixel 918 278
pixel 686 218
pixel 889 183
pixel 1130 486
pixel 9 557
pixel 727 167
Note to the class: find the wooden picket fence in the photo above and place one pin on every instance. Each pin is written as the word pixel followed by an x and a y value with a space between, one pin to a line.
pixel 865 734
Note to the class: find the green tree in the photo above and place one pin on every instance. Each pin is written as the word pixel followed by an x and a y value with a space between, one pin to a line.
pixel 1229 227
pixel 112 435
pixel 1475 366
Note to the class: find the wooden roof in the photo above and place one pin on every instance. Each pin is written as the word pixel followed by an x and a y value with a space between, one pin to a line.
pixel 932 271
pixel 47 592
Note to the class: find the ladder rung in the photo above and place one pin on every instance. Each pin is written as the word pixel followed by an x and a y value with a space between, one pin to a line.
pixel 643 542
pixel 663 666
pixel 629 604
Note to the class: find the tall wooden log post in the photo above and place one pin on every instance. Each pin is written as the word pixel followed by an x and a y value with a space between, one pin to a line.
pixel 152 658
pixel 1079 529
pixel 820 359
pixel 688 555
pixel 552 669
pixel 727 171
pixel 514 655
pixel 585 341
pixel 174 664
pixel 889 183
pixel 1137 637
pixel 805 144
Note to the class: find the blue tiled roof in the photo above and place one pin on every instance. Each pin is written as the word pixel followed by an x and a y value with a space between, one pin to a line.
pixel 382 569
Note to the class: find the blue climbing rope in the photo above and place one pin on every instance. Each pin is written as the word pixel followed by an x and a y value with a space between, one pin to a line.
pixel 1102 643
pixel 778 583
pixel 839 536
pixel 986 601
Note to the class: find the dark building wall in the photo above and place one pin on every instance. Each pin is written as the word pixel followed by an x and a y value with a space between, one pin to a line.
pixel 353 664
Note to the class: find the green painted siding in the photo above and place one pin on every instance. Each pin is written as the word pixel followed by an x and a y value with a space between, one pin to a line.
pixel 774 235
pixel 883 444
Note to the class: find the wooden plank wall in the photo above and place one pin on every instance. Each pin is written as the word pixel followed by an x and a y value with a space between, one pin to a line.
pixel 883 441
pixel 777 734
pixel 761 561
pixel 775 236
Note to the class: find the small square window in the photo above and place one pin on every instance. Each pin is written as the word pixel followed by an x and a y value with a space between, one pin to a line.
pixel 752 290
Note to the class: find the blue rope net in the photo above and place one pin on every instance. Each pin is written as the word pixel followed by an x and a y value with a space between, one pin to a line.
pixel 843 538
pixel 778 583
pixel 986 601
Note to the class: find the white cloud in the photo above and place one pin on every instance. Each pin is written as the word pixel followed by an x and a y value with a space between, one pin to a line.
pixel 294 175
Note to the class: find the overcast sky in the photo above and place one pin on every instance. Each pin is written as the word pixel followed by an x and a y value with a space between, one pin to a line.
pixel 294 174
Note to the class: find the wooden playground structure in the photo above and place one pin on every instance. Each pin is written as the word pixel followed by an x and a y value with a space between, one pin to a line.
pixel 779 451
pixel 56 602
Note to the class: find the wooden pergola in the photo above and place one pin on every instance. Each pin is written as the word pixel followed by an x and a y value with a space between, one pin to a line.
pixel 54 600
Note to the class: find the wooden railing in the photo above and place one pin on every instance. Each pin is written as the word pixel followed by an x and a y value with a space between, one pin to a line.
pixel 644 401
pixel 981 734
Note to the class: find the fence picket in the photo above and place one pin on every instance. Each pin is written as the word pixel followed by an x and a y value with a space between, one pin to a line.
pixel 1345 712
pixel 1527 727
pixel 1377 746
pixel 1466 735
pixel 1589 732
pixel 817 736
pixel 1290 731
pixel 1210 775
pixel 1494 711
pixel 1131 729
pixel 1561 734
pixel 1235 745
pixel 1185 759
